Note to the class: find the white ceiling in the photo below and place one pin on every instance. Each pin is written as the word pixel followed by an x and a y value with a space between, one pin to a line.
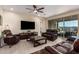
pixel 49 10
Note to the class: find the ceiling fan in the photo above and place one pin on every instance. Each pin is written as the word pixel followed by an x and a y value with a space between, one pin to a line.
pixel 36 10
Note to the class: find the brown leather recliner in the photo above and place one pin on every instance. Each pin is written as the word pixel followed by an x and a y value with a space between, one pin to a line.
pixel 9 38
pixel 51 34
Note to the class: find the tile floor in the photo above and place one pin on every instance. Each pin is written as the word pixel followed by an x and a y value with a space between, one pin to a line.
pixel 24 47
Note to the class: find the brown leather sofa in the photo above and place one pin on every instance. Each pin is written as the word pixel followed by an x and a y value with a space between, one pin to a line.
pixel 27 35
pixel 23 36
pixel 68 50
pixel 51 34
pixel 9 38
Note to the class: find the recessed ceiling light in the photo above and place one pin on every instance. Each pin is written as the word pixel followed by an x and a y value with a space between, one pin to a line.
pixel 11 9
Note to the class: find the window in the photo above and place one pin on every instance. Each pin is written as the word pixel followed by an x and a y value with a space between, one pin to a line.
pixel 72 23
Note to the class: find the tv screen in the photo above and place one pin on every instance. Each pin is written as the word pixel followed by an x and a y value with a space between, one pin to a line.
pixel 27 25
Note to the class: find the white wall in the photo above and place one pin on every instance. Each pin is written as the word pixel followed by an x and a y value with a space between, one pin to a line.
pixel 44 24
pixel 13 21
pixel 69 13
pixel 52 24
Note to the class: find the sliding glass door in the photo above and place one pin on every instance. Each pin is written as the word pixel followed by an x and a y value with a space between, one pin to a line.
pixel 64 24
pixel 68 26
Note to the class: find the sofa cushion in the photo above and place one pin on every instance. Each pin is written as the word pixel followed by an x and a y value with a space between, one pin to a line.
pixel 51 50
pixel 68 45
pixel 61 49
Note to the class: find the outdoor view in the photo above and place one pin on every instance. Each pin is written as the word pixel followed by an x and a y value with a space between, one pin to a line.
pixel 68 25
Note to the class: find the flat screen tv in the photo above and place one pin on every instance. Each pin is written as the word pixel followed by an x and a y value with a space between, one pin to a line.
pixel 27 25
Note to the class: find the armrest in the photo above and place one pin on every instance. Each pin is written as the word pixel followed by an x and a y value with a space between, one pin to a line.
pixel 44 33
pixel 9 36
pixel 52 50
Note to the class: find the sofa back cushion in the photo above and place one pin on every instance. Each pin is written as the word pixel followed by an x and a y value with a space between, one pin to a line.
pixel 61 49
pixel 54 31
pixel 7 32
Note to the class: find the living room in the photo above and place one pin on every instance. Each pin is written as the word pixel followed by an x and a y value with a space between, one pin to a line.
pixel 13 17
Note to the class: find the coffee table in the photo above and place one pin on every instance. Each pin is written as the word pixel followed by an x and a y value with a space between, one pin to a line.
pixel 36 40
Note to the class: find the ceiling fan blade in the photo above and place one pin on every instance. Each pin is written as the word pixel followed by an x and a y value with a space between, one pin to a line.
pixel 34 6
pixel 28 9
pixel 41 11
pixel 40 8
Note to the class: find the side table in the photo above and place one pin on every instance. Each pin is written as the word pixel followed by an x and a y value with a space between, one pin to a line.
pixel 1 42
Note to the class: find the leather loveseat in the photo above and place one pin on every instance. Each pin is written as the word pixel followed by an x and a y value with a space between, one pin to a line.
pixel 27 35
pixel 50 34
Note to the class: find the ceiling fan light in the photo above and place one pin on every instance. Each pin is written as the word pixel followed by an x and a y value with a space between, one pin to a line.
pixel 35 11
